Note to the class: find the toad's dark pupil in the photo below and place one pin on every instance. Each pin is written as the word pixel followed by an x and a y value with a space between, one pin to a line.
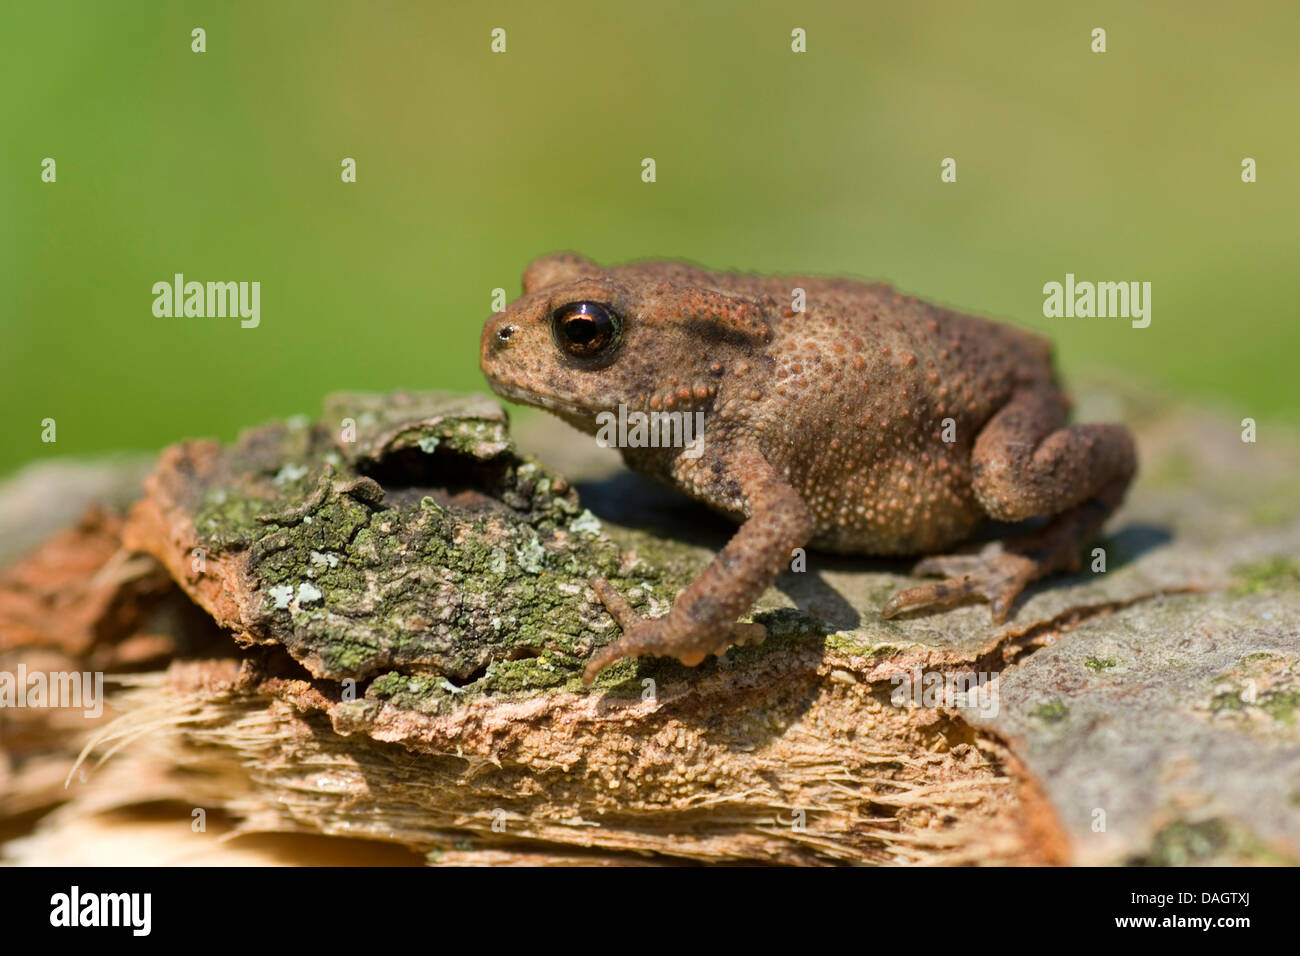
pixel 585 329
pixel 580 330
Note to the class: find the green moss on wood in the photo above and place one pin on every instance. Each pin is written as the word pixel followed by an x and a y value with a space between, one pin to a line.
pixel 1051 711
pixel 1206 842
pixel 1276 573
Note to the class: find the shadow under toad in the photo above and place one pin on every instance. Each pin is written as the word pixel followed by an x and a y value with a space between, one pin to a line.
pixel 629 499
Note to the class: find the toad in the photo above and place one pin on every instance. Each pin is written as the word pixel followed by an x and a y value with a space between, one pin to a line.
pixel 838 414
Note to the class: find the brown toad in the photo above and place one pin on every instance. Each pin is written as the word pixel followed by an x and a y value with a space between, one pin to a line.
pixel 870 423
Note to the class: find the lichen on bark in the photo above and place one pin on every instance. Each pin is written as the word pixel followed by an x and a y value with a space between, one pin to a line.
pixel 401 539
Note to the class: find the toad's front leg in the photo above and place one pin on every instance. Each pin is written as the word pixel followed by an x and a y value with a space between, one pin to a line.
pixel 702 620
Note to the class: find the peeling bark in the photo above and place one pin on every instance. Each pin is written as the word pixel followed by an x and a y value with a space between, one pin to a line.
pixel 408 601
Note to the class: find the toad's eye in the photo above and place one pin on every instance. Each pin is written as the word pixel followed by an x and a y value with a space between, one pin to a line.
pixel 586 329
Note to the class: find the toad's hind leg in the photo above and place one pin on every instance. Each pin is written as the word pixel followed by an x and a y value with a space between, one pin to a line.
pixel 1024 465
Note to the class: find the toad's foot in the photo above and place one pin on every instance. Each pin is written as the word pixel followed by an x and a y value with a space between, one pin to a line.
pixel 991 575
pixel 661 636
pixel 1000 572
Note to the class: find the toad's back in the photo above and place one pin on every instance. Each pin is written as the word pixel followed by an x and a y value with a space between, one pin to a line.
pixel 870 404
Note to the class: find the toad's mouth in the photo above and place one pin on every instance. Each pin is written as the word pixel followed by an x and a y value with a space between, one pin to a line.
pixel 565 409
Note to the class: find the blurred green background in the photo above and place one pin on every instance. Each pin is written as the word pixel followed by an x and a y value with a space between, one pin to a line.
pixel 225 166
